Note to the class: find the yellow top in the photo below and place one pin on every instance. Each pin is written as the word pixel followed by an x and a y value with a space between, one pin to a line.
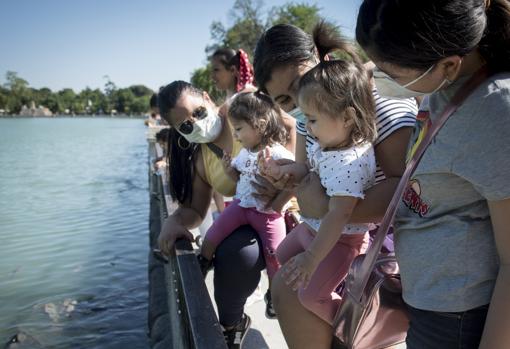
pixel 214 173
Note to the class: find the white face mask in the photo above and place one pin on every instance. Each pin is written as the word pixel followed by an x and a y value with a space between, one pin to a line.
pixel 388 87
pixel 205 130
pixel 297 114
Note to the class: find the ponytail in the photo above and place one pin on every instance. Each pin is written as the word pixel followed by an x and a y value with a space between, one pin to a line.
pixel 327 40
pixel 495 44
pixel 244 69
pixel 285 44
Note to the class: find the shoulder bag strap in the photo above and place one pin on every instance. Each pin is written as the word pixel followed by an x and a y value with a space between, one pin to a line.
pixel 215 149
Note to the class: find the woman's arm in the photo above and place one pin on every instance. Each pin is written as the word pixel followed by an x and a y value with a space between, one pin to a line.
pixel 332 226
pixel 309 189
pixel 230 170
pixel 189 215
pixel 391 156
pixel 290 125
pixel 496 334
pixel 301 149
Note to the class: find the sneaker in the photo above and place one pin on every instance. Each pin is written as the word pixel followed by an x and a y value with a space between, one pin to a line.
pixel 270 312
pixel 235 336
pixel 205 264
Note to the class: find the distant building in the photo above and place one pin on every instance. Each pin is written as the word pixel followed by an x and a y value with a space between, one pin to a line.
pixel 36 112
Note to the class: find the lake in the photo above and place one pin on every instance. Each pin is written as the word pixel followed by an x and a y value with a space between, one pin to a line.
pixel 74 207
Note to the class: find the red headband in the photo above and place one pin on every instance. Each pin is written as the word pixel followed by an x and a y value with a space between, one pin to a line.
pixel 245 71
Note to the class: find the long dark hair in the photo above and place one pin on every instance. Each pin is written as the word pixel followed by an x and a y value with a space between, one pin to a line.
pixel 181 153
pixel 260 112
pixel 416 34
pixel 333 85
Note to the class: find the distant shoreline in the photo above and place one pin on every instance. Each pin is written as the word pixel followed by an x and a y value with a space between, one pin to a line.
pixel 118 116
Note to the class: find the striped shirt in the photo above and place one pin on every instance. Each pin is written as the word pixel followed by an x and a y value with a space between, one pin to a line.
pixel 390 115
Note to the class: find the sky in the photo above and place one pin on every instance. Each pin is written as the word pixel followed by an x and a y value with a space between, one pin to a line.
pixel 76 43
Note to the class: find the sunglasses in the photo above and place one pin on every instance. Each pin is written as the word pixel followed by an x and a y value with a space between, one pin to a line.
pixel 186 127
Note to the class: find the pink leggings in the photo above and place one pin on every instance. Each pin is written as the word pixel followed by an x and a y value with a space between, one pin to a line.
pixel 320 296
pixel 269 226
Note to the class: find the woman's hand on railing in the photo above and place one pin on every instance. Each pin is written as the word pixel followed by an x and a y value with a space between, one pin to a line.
pixel 170 232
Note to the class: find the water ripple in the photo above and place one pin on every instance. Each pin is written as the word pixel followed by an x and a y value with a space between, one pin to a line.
pixel 74 228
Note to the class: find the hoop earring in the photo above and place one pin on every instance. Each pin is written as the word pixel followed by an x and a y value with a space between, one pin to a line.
pixel 180 145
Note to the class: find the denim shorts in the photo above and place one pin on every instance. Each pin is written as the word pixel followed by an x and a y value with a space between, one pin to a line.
pixel 438 330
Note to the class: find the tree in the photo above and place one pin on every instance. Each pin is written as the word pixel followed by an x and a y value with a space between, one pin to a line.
pixel 248 23
pixel 141 90
pixel 14 83
pixel 201 78
pixel 66 98
pixel 18 92
pixel 301 15
pixel 4 97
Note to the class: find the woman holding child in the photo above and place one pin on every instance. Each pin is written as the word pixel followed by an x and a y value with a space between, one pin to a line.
pixel 202 137
pixel 283 56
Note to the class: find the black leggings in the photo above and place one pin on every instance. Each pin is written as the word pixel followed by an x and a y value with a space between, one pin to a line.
pixel 237 265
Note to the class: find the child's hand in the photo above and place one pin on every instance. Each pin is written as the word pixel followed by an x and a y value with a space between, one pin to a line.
pixel 262 157
pixel 268 167
pixel 226 161
pixel 298 271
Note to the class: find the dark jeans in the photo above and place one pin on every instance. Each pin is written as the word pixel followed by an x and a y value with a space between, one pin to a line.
pixel 238 262
pixel 435 330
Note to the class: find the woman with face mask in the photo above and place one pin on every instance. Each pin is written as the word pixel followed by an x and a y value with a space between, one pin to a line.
pixel 199 135
pixel 283 55
pixel 452 228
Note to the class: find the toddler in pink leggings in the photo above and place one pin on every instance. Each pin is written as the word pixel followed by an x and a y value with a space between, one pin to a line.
pixel 257 123
pixel 336 98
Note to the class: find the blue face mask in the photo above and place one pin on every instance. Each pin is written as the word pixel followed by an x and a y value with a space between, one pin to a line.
pixel 297 114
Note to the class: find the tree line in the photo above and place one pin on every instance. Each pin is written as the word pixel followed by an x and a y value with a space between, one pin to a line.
pixel 249 21
pixel 16 93
pixel 248 18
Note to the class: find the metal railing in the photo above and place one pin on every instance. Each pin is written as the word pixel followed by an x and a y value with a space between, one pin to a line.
pixel 191 320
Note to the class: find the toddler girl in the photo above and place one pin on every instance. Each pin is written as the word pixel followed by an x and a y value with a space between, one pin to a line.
pixel 257 124
pixel 336 98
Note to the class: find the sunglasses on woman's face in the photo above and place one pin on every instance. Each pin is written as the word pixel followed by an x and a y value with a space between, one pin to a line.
pixel 186 127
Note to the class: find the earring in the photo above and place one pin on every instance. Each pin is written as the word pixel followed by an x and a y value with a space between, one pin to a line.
pixel 180 145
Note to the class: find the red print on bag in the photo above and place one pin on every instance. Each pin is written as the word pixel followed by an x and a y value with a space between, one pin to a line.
pixel 413 200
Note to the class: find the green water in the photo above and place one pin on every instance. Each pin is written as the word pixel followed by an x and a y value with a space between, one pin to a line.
pixel 74 231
